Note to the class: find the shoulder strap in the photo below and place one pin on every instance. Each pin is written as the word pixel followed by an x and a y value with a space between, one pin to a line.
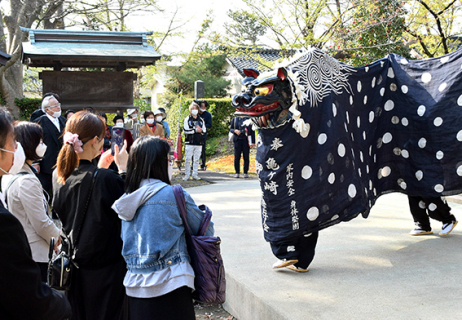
pixel 15 177
pixel 74 242
pixel 181 203
pixel 180 200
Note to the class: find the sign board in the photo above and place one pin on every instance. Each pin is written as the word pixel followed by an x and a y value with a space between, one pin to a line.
pixel 103 91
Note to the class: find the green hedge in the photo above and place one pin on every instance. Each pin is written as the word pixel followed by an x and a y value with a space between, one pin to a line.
pixel 221 110
pixel 27 106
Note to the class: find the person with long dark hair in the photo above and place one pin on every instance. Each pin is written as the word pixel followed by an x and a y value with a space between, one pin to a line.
pixel 26 199
pixel 160 279
pixel 23 295
pixel 83 196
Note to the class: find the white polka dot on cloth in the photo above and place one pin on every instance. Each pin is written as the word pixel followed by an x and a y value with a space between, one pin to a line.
pixel 444 59
pixel 352 190
pixel 459 100
pixel 421 204
pixel 438 121
pixel 421 110
pixel 371 116
pixel 351 100
pixel 322 138
pixel 432 207
pixel 358 121
pixel 439 155
pixel 359 86
pixel 389 105
pixel 426 77
pixel 386 171
pixel 405 153
pixel 382 91
pixel 404 89
pixel 404 122
pixel 390 73
pixel 365 100
pixel 373 82
pixel 419 175
pixel 307 172
pixel 442 87
pixel 312 214
pixel 459 171
pixel 439 188
pixel 403 61
pixel 341 150
pixel 422 143
pixel 459 135
pixel 331 178
pixel 334 110
pixel 387 137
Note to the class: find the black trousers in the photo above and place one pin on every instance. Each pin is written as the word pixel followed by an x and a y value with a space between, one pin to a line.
pixel 175 305
pixel 435 208
pixel 241 146
pixel 302 249
pixel 204 142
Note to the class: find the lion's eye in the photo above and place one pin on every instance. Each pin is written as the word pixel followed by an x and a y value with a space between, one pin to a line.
pixel 263 90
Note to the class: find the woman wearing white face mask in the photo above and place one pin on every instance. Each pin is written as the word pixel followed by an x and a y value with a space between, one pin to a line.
pixel 151 128
pixel 25 197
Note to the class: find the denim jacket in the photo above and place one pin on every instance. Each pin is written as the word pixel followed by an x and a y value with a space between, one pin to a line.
pixel 152 230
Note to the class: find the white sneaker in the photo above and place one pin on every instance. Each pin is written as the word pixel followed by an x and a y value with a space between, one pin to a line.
pixel 185 178
pixel 246 175
pixel 447 228
pixel 284 263
pixel 236 175
pixel 196 177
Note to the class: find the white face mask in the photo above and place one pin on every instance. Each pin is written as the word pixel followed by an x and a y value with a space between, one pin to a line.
pixel 19 159
pixel 119 125
pixel 195 112
pixel 41 149
pixel 159 119
pixel 57 114
pixel 150 121
pixel 142 120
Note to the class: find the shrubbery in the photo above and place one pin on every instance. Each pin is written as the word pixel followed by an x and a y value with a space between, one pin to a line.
pixel 27 106
pixel 221 110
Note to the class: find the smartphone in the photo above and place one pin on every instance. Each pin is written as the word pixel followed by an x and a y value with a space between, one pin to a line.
pixel 117 138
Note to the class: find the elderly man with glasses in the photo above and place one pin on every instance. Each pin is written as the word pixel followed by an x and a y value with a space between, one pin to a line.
pixel 53 126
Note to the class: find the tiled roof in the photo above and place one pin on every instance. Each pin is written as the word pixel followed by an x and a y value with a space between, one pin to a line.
pixel 248 58
pixel 70 48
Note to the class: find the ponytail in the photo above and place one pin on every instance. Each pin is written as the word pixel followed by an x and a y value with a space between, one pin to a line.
pixel 66 163
pixel 80 128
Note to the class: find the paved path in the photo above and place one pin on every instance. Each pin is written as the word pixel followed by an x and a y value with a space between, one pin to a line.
pixel 364 269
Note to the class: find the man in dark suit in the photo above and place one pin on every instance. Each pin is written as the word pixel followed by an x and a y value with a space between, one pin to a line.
pixel 53 127
pixel 22 293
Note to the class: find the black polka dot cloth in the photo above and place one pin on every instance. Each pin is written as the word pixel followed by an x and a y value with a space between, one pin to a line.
pixel 392 126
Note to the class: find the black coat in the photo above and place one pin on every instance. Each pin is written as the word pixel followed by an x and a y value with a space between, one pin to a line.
pixel 238 123
pixel 53 140
pixel 97 291
pixel 99 243
pixel 22 293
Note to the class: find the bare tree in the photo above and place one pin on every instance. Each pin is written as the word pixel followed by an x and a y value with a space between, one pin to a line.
pixel 22 14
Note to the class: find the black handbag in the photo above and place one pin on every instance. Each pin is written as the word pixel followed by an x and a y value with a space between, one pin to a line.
pixel 61 266
pixel 59 269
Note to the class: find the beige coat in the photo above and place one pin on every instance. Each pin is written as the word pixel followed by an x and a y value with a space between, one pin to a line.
pixel 146 130
pixel 27 203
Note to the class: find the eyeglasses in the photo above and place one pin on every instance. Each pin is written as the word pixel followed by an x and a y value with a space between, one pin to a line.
pixel 56 105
